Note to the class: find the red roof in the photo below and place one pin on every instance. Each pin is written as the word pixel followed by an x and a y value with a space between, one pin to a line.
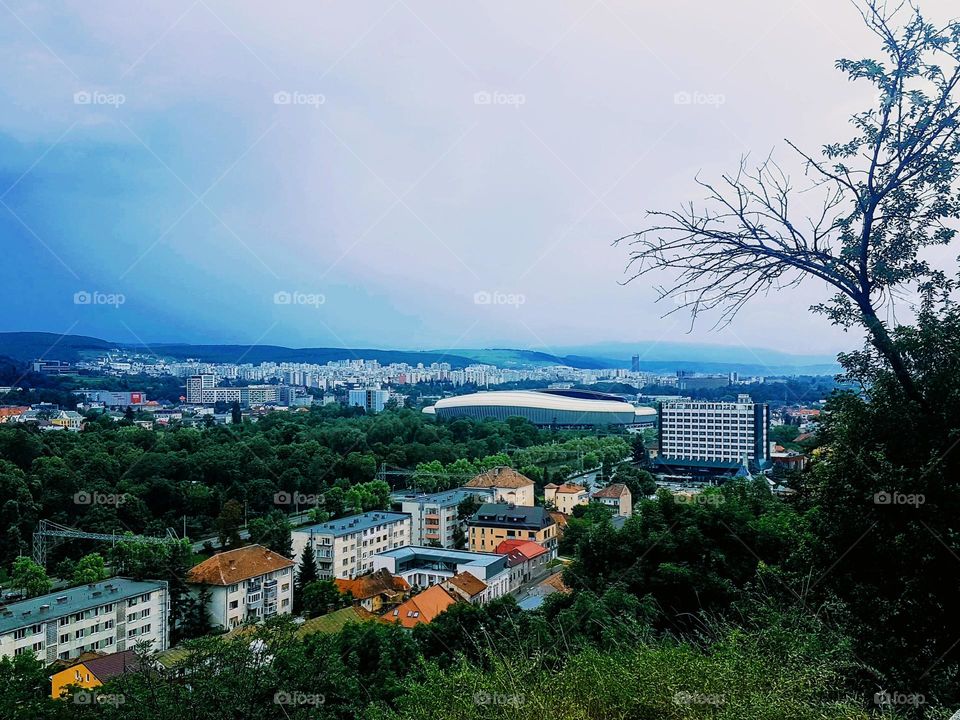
pixel 518 551
pixel 231 567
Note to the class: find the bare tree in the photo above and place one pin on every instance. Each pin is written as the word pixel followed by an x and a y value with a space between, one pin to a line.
pixel 881 198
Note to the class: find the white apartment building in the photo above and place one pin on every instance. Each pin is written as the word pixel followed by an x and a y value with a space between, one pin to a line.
pixel 108 616
pixel 203 390
pixel 714 434
pixel 434 516
pixel 344 548
pixel 249 583
pixel 422 567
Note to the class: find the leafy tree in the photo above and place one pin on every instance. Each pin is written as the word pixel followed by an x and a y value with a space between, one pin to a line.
pixel 321 597
pixel 272 531
pixel 306 574
pixel 29 577
pixel 236 415
pixel 89 569
pixel 196 621
pixel 228 523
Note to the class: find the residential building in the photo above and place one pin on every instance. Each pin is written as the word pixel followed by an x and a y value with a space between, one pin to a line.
pixel 249 583
pixel 565 497
pixel 425 566
pixel 93 672
pixel 421 608
pixel 375 591
pixel 527 560
pixel 203 390
pixel 68 419
pixel 616 496
pixel 370 399
pixel 108 616
pixel 344 548
pixel 714 435
pixel 435 516
pixel 467 587
pixel 508 486
pixel 196 385
pixel 493 523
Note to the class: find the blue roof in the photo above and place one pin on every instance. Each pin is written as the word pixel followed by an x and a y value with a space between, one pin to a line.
pixel 353 523
pixel 461 557
pixel 72 600
pixel 447 498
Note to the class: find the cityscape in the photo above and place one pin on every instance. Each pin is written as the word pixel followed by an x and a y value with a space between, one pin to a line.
pixel 405 360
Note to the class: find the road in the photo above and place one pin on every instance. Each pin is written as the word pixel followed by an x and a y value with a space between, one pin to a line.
pixel 296 519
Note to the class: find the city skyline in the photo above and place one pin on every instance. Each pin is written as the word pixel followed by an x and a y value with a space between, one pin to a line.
pixel 208 173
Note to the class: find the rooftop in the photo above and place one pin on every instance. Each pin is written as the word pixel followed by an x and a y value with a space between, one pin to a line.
pixel 368 586
pixel 468 583
pixel 500 477
pixel 76 599
pixel 570 489
pixel 500 514
pixel 518 551
pixel 446 498
pixel 109 666
pixel 432 554
pixel 614 490
pixel 353 523
pixel 422 608
pixel 231 567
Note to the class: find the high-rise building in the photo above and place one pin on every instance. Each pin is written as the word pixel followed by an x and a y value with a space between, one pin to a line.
pixel 370 399
pixel 635 364
pixel 714 435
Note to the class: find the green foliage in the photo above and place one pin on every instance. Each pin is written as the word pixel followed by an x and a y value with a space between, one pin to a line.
pixel 272 531
pixel 89 569
pixel 29 577
pixel 321 597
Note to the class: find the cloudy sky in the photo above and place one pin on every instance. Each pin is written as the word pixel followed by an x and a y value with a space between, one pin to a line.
pixel 392 173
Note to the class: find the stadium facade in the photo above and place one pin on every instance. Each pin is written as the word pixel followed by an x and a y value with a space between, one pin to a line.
pixel 552 407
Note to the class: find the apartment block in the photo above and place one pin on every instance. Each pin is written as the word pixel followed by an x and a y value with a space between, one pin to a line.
pixel 249 583
pixel 344 548
pixel 434 516
pixel 108 616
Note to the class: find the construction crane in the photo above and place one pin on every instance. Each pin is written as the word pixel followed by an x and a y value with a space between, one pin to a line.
pixel 49 534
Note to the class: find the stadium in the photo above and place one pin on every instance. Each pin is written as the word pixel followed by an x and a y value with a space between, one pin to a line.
pixel 555 408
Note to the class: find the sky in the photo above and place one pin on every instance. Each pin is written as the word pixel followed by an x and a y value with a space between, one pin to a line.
pixel 395 173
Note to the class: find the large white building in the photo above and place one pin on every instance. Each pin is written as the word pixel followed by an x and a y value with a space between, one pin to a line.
pixel 370 399
pixel 344 548
pixel 714 435
pixel 425 566
pixel 108 617
pixel 203 390
pixel 249 583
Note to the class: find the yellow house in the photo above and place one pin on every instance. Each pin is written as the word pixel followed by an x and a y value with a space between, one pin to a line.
pixel 93 672
pixel 493 523
pixel 565 497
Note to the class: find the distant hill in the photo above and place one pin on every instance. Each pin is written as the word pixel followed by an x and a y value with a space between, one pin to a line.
pixel 656 357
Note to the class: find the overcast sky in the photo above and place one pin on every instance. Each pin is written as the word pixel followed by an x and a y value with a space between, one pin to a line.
pixel 409 173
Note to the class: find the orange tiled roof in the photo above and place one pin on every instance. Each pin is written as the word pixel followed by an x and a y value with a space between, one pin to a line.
pixel 556 582
pixel 422 608
pixel 559 518
pixel 614 490
pixel 368 586
pixel 500 477
pixel 231 567
pixel 469 583
pixel 570 488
